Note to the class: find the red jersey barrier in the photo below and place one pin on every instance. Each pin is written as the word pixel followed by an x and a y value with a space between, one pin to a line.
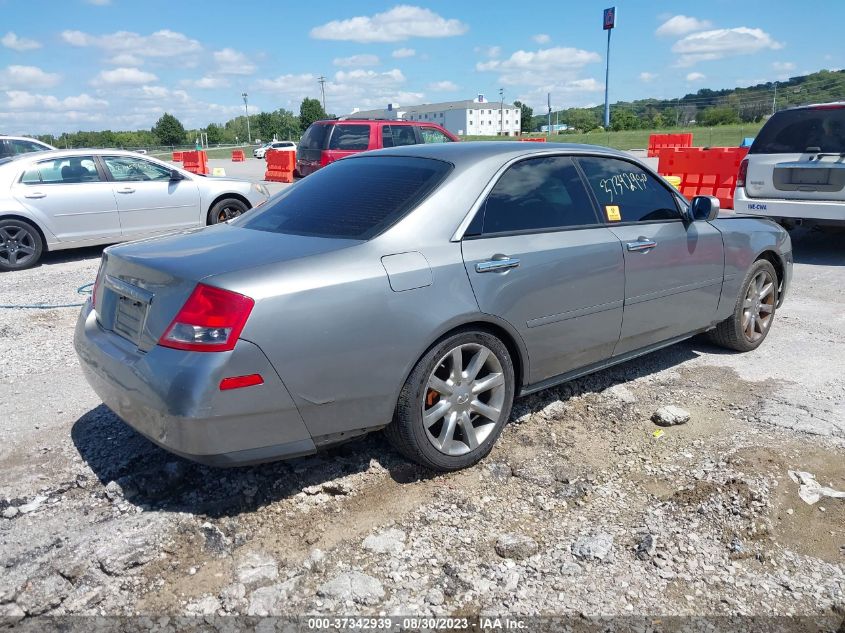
pixel 177 157
pixel 238 156
pixel 195 162
pixel 657 142
pixel 533 140
pixel 708 171
pixel 280 165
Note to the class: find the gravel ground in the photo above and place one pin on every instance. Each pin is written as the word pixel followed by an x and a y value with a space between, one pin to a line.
pixel 581 509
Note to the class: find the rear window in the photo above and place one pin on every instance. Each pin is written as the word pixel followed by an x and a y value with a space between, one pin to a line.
pixel 350 199
pixel 314 137
pixel 794 131
pixel 350 137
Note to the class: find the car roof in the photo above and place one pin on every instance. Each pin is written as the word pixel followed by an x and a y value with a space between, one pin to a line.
pixel 383 121
pixel 468 152
pixel 813 106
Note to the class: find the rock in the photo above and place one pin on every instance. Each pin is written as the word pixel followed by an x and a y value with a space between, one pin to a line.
pixel 232 597
pixel 118 556
pixel 256 566
pixel 646 547
pixel 435 597
pixel 33 505
pixel 538 474
pixel 670 415
pixel 597 546
pixel 353 585
pixel 11 613
pixel 570 569
pixel 208 605
pixel 39 595
pixel 332 488
pixel 215 542
pixel 499 471
pixel 270 600
pixel 316 560
pixel 390 541
pixel 516 546
pixel 554 411
pixel 10 513
pixel 620 393
pixel 83 597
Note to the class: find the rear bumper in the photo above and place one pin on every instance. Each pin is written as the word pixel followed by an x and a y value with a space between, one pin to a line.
pixel 172 398
pixel 828 212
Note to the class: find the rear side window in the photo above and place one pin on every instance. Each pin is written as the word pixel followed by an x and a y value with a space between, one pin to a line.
pixel 350 137
pixel 627 193
pixel 536 194
pixel 398 135
pixel 314 137
pixel 73 170
pixel 351 199
pixel 794 131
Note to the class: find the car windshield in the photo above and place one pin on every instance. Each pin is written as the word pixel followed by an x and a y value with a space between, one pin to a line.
pixel 794 131
pixel 351 199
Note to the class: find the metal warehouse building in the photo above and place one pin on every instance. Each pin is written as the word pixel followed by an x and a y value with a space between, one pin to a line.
pixel 476 117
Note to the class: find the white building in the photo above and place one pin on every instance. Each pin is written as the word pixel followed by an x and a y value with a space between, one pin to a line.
pixel 474 117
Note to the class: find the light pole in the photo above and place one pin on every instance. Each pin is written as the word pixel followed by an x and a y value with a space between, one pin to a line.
pixel 246 110
pixel 609 24
pixel 501 111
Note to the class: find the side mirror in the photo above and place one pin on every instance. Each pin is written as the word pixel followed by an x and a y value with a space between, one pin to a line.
pixel 175 175
pixel 704 208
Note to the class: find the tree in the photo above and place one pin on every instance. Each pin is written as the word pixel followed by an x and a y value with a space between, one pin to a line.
pixel 526 116
pixel 169 130
pixel 214 134
pixel 584 120
pixel 309 111
pixel 718 116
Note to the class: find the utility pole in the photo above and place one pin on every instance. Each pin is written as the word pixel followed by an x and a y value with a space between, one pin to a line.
pixel 609 24
pixel 501 111
pixel 775 100
pixel 322 82
pixel 246 110
pixel 549 128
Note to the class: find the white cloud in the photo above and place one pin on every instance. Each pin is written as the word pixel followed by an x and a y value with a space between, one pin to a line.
pixel 533 68
pixel 370 77
pixel 696 77
pixel 491 52
pixel 120 76
pixel 443 86
pixel 401 53
pixel 400 23
pixel 20 44
pixel 125 59
pixel 206 83
pixel 719 43
pixel 357 60
pixel 164 43
pixel 27 77
pixel 646 76
pixel 232 62
pixel 681 25
pixel 23 100
pixel 541 38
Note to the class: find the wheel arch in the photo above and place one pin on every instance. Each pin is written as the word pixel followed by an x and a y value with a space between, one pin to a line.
pixel 22 218
pixel 225 196
pixel 774 258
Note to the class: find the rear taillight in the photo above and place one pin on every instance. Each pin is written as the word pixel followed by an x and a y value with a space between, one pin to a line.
pixel 325 159
pixel 97 283
pixel 743 173
pixel 210 321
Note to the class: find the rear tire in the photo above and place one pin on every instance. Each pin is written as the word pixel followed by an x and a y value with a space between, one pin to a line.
pixel 21 245
pixel 226 209
pixel 754 313
pixel 455 402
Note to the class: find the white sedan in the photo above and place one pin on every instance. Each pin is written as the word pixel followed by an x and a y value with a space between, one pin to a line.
pixel 62 199
pixel 259 152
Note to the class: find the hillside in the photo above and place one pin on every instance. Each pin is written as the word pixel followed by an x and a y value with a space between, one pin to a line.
pixel 709 107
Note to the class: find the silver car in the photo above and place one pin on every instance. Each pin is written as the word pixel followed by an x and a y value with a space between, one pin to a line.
pixel 61 199
pixel 417 289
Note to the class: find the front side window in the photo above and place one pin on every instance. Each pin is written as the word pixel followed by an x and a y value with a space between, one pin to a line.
pixel 355 198
pixel 627 193
pixel 433 135
pixel 124 169
pixel 537 194
pixel 350 137
pixel 70 170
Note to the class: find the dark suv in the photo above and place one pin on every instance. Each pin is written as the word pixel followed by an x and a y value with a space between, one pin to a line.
pixel 326 141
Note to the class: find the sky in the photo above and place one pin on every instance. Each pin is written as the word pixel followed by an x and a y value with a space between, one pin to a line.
pixel 119 64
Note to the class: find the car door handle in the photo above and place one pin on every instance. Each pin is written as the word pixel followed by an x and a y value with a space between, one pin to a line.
pixel 35 195
pixel 494 265
pixel 642 244
pixel 126 190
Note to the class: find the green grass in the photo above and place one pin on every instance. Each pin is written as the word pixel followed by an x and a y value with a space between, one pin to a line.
pixel 719 136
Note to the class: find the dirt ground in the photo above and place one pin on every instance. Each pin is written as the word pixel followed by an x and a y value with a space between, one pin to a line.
pixel 580 509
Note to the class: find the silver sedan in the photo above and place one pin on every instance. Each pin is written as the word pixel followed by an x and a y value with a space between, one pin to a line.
pixel 70 198
pixel 417 289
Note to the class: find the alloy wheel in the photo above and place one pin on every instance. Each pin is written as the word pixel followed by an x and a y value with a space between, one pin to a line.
pixel 227 213
pixel 759 306
pixel 17 246
pixel 463 399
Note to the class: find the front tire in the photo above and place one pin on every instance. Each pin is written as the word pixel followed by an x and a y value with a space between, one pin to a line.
pixel 754 313
pixel 226 209
pixel 20 245
pixel 455 402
